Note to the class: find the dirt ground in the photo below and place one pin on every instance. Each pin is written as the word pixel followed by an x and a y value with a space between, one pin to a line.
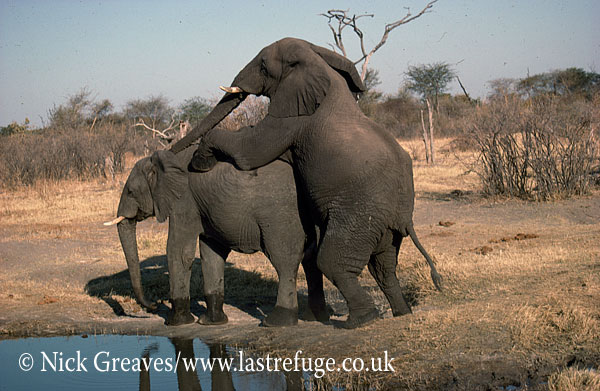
pixel 520 301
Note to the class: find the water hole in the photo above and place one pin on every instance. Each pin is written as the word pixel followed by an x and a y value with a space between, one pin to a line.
pixel 117 362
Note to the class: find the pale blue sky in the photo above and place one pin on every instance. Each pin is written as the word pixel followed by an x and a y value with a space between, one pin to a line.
pixel 123 50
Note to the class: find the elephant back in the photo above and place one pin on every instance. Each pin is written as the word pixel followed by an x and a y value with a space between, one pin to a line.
pixel 227 187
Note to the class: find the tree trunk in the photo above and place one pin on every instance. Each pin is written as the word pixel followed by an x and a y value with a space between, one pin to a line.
pixel 431 144
pixel 425 138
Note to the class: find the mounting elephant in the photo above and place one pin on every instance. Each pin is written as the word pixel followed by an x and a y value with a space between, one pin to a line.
pixel 358 180
pixel 228 210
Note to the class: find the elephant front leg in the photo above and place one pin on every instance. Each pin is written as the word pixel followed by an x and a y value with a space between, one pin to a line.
pixel 249 147
pixel 203 159
pixel 213 277
pixel 181 249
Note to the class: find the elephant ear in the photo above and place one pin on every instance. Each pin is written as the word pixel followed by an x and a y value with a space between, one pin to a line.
pixel 300 92
pixel 167 183
pixel 343 66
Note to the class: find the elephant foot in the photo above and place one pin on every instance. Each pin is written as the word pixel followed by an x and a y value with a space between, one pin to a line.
pixel 214 311
pixel 148 305
pixel 152 309
pixel 355 321
pixel 398 303
pixel 401 311
pixel 175 319
pixel 203 159
pixel 180 313
pixel 207 320
pixel 281 317
pixel 316 314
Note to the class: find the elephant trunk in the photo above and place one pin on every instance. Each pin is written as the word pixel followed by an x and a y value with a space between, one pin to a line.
pixel 225 106
pixel 127 236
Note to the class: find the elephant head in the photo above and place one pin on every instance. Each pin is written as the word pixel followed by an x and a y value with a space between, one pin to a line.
pixel 296 75
pixel 151 188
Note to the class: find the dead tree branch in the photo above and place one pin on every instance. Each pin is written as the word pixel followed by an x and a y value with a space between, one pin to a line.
pixel 343 21
pixel 464 90
pixel 170 133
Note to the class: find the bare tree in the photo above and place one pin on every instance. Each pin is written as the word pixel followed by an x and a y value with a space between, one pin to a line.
pixel 173 132
pixel 428 138
pixel 425 138
pixel 343 20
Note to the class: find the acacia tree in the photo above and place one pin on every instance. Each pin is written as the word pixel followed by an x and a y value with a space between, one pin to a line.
pixel 343 20
pixel 194 109
pixel 429 81
pixel 564 82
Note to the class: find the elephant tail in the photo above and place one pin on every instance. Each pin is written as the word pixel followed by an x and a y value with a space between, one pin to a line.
pixel 435 276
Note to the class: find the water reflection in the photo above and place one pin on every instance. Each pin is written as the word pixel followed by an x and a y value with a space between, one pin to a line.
pixel 187 378
pixel 129 349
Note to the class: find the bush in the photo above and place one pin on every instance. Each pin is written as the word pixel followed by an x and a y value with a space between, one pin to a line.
pixel 58 154
pixel 574 379
pixel 399 115
pixel 252 110
pixel 538 149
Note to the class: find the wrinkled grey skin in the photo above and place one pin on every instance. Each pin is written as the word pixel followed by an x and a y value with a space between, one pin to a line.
pixel 357 178
pixel 228 210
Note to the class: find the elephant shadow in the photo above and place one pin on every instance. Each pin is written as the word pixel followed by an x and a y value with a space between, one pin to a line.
pixel 248 291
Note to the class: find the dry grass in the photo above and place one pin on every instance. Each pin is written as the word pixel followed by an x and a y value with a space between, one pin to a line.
pixel 573 379
pixel 51 209
pixel 526 310
pixel 451 171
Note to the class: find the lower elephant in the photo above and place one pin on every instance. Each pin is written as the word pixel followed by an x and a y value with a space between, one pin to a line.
pixel 228 210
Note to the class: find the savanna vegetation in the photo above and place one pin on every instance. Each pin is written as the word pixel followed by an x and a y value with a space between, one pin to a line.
pixel 534 138
pixel 507 201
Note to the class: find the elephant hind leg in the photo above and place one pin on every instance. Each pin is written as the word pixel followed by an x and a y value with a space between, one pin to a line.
pixel 342 264
pixel 382 266
pixel 317 307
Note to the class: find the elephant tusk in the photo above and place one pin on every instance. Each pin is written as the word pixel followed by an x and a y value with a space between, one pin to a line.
pixel 231 90
pixel 115 221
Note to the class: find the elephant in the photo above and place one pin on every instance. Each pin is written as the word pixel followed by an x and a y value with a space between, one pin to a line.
pixel 356 177
pixel 226 209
